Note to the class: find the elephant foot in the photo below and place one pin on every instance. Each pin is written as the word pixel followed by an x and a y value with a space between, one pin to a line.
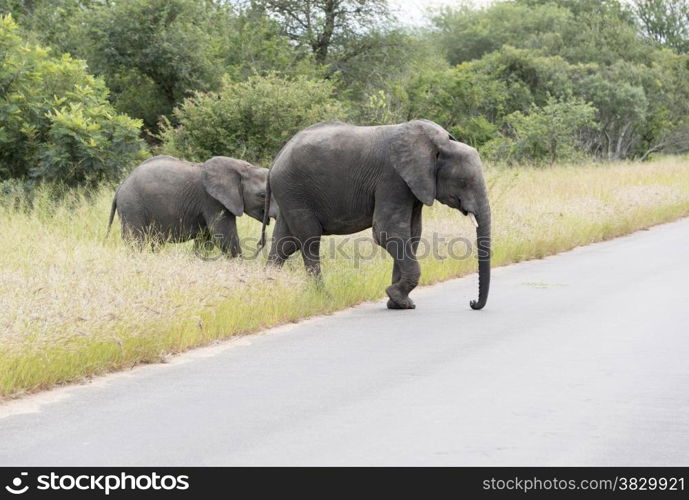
pixel 407 304
pixel 397 301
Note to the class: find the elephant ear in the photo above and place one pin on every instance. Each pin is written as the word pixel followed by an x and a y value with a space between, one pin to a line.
pixel 222 179
pixel 414 151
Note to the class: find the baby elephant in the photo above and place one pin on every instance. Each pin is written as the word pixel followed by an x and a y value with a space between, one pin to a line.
pixel 167 199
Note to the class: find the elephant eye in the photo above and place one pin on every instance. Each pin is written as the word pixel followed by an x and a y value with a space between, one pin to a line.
pixel 261 195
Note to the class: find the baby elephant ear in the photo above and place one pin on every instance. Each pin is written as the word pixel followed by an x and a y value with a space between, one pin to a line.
pixel 414 150
pixel 223 181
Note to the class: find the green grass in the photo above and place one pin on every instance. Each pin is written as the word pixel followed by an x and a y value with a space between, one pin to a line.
pixel 73 305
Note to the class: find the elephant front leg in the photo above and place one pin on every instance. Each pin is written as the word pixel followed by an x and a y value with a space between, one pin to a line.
pixel 204 245
pixel 416 229
pixel 224 232
pixel 230 245
pixel 408 272
pixel 394 235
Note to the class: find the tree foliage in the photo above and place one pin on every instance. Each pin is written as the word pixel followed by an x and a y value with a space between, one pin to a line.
pixel 155 53
pixel 56 123
pixel 665 22
pixel 546 134
pixel 522 80
pixel 251 119
pixel 324 24
pixel 523 54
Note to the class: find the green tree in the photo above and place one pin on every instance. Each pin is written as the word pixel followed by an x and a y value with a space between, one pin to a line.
pixel 324 24
pixel 605 32
pixel 472 99
pixel 466 33
pixel 665 22
pixel 578 31
pixel 468 103
pixel 251 43
pixel 375 72
pixel 55 23
pixel 56 123
pixel 554 132
pixel 153 53
pixel 621 104
pixel 666 128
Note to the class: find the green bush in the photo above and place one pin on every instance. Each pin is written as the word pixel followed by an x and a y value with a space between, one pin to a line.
pixel 251 119
pixel 465 33
pixel 153 53
pixel 466 102
pixel 601 31
pixel 55 120
pixel 554 132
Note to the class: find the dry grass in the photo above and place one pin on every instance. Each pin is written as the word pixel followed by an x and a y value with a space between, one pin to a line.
pixel 73 305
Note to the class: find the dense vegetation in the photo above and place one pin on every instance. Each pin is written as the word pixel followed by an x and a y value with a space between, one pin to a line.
pixel 56 123
pixel 89 86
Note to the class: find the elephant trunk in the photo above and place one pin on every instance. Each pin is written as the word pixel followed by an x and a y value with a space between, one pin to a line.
pixel 484 253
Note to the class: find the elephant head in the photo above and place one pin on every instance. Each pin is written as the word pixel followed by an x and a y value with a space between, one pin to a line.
pixel 436 166
pixel 238 185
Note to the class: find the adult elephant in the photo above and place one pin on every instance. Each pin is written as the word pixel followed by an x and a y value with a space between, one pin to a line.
pixel 335 178
pixel 168 199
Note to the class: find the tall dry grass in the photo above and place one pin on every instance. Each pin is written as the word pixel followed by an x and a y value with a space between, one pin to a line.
pixel 73 304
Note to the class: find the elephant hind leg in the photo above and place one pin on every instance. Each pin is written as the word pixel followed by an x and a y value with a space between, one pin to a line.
pixel 133 233
pixel 310 252
pixel 283 244
pixel 307 229
pixel 303 232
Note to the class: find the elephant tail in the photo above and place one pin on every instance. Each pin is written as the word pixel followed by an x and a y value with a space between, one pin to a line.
pixel 266 217
pixel 112 215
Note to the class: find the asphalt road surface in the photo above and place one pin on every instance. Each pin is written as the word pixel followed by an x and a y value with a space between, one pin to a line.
pixel 578 359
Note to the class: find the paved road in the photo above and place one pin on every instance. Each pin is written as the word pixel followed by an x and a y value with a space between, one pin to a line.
pixel 578 359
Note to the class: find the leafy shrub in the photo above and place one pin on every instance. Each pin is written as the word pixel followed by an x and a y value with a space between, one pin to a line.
pixel 547 134
pixel 251 119
pixel 55 120
pixel 466 102
pixel 381 108
pixel 466 33
pixel 153 53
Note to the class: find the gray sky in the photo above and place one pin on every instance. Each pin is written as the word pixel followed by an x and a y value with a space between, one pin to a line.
pixel 412 11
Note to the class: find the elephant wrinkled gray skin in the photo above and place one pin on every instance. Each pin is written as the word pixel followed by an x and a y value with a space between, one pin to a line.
pixel 167 199
pixel 335 178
